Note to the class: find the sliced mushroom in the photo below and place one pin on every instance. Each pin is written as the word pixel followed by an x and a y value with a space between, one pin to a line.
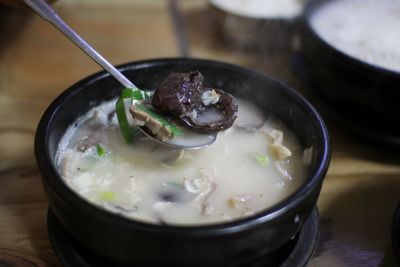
pixel 239 201
pixel 277 149
pixel 162 132
pixel 243 203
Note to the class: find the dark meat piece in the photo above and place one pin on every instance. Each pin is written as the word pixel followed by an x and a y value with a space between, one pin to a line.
pixel 179 93
pixel 225 106
pixel 183 96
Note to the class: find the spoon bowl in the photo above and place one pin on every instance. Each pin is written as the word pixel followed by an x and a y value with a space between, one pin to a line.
pixel 189 139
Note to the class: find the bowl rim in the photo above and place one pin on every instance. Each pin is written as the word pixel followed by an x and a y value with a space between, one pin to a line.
pixel 314 5
pixel 51 175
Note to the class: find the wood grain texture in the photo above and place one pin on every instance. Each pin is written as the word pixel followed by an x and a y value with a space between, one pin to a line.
pixel 36 64
pixel 360 191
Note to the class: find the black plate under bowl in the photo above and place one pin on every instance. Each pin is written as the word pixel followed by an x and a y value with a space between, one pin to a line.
pixel 296 253
pixel 396 233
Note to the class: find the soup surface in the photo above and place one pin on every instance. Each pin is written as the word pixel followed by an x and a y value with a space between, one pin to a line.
pixel 365 29
pixel 252 166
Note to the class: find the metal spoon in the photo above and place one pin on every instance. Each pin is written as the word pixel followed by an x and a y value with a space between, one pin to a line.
pixel 49 14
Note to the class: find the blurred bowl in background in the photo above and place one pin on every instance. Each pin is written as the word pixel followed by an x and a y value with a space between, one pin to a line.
pixel 260 25
pixel 19 3
pixel 351 61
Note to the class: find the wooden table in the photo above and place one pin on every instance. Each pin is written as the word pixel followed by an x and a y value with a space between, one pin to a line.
pixel 360 192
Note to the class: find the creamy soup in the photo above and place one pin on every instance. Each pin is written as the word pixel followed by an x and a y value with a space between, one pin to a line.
pixel 365 29
pixel 252 166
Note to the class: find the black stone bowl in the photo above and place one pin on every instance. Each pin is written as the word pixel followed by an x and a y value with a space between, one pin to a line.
pixel 362 96
pixel 142 244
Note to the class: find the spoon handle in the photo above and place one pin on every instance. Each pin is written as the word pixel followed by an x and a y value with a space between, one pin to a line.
pixel 49 14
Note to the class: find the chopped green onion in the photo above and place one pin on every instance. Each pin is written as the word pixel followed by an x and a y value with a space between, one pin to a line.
pixel 123 120
pixel 108 195
pixel 100 150
pixel 166 123
pixel 127 93
pixel 135 94
pixel 262 159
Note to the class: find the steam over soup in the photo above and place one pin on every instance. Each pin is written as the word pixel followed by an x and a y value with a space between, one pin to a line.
pixel 252 166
